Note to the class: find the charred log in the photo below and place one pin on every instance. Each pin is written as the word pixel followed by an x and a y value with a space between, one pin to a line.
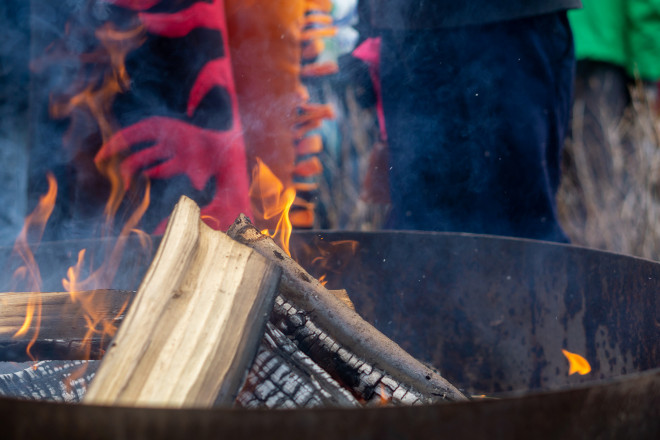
pixel 283 376
pixel 59 381
pixel 369 383
pixel 348 329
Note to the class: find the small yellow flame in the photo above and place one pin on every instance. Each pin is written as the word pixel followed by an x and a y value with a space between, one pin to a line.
pixel 577 364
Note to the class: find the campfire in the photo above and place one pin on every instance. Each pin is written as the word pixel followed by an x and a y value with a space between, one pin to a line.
pixel 498 327
pixel 124 318
pixel 237 321
pixel 505 346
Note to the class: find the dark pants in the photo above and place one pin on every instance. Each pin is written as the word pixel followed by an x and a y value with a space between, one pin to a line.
pixel 476 118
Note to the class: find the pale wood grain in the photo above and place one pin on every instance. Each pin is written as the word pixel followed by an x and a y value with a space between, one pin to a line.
pixel 193 329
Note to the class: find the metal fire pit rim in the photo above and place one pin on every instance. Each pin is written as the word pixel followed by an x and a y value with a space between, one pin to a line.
pixel 382 232
pixel 501 238
pixel 632 416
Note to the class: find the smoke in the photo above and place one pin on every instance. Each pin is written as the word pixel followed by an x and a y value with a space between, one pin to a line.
pixel 73 111
pixel 14 35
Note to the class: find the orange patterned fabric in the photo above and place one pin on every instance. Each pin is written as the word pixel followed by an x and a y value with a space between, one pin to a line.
pixel 266 42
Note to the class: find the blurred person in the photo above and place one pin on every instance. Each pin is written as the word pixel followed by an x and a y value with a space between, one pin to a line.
pixel 476 98
pixel 617 43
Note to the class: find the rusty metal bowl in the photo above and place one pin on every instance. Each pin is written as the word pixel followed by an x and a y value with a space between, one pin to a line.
pixel 491 313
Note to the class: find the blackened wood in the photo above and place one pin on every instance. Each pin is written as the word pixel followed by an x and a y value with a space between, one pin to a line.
pixel 283 376
pixel 52 349
pixel 370 383
pixel 60 381
pixel 344 324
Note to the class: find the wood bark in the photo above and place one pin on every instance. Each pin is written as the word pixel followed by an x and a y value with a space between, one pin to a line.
pixel 195 324
pixel 331 315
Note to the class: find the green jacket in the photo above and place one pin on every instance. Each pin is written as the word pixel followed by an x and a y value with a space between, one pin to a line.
pixel 622 32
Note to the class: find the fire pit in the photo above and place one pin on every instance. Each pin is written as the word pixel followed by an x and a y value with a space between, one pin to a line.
pixel 492 314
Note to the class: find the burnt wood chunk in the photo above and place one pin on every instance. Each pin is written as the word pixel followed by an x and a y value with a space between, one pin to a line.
pixel 196 322
pixel 59 381
pixel 369 383
pixel 346 327
pixel 283 376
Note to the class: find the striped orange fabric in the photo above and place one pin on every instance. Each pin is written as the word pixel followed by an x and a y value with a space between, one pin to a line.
pixel 267 40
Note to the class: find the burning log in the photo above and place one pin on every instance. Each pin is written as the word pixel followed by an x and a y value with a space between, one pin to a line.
pixel 368 382
pixel 62 323
pixel 195 324
pixel 362 344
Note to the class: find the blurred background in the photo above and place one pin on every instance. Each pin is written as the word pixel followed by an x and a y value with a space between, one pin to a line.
pixel 609 195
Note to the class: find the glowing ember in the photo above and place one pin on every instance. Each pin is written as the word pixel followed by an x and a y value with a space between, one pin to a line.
pixel 577 364
pixel 271 200
pixel 385 397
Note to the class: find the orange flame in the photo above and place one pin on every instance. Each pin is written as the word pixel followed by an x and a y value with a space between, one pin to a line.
pixel 97 98
pixel 102 277
pixel 33 230
pixel 385 398
pixel 272 201
pixel 94 95
pixel 577 364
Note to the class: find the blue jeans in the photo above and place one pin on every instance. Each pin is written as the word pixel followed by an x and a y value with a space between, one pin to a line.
pixel 476 118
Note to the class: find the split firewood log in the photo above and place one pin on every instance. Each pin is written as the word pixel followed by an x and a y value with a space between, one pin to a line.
pixel 195 324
